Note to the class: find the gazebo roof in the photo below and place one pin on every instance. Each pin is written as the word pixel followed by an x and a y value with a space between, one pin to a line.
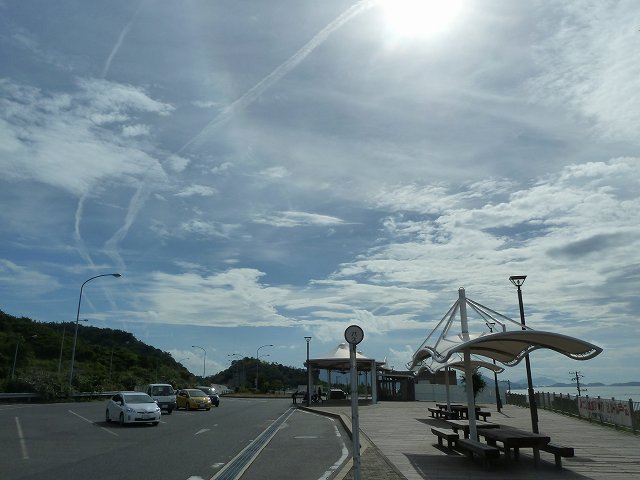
pixel 339 359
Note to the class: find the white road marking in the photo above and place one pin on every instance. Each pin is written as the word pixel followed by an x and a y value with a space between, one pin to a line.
pixel 305 437
pixel 340 461
pixel 92 423
pixel 23 444
pixel 202 431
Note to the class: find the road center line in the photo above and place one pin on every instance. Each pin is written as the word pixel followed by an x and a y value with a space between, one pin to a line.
pixel 23 443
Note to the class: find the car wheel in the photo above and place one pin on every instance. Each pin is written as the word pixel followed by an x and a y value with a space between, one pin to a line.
pixel 121 418
pixel 155 424
pixel 188 407
pixel 208 409
pixel 106 416
pixel 169 411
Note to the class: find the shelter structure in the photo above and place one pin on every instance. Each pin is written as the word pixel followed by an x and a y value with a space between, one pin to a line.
pixel 338 359
pixel 506 347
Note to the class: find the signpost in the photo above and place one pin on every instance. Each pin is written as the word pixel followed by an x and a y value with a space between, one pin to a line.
pixel 354 335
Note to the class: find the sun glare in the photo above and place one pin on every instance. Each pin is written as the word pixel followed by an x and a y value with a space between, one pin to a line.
pixel 420 18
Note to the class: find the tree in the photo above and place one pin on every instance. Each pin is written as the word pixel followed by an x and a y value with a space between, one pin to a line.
pixel 478 383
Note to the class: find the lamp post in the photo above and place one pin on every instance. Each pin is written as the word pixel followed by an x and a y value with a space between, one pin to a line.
pixel 518 280
pixel 204 359
pixel 15 356
pixel 64 328
pixel 495 374
pixel 308 339
pixel 258 362
pixel 75 335
pixel 237 369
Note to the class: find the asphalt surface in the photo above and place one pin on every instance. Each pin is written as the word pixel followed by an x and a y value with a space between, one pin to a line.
pixel 73 440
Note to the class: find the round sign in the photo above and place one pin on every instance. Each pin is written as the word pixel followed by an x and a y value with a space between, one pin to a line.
pixel 353 334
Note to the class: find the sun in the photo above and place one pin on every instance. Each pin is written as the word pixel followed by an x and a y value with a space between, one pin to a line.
pixel 420 18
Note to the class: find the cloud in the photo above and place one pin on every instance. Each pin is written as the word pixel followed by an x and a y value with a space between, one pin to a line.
pixel 199 190
pixel 24 281
pixel 296 219
pixel 53 139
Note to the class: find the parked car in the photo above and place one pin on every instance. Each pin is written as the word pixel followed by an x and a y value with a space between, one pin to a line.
pixel 337 394
pixel 164 395
pixel 212 393
pixel 132 407
pixel 192 398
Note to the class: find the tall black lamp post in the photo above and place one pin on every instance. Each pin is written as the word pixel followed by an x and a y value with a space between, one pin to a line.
pixel 518 280
pixel 308 339
pixel 75 335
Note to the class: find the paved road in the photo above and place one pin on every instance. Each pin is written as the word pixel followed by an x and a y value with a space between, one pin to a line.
pixel 72 440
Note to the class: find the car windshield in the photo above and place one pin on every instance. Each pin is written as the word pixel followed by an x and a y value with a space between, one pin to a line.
pixel 138 398
pixel 162 390
pixel 196 393
pixel 207 390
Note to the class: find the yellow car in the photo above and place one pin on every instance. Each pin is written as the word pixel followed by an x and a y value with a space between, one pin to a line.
pixel 192 398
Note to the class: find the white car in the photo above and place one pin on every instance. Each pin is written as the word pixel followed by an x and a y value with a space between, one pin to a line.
pixel 132 407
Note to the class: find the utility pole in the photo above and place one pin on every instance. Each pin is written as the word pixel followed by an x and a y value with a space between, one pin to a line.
pixel 576 378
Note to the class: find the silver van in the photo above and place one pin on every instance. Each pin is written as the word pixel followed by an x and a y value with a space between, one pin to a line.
pixel 164 395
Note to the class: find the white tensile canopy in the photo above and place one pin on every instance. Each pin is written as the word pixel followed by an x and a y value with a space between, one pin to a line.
pixel 506 347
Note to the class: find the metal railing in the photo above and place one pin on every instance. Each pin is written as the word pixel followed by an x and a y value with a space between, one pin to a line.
pixel 622 414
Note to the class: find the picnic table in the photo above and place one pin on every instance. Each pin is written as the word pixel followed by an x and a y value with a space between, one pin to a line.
pixel 512 438
pixel 464 426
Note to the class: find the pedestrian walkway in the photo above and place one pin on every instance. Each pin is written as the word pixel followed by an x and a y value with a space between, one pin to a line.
pixel 397 443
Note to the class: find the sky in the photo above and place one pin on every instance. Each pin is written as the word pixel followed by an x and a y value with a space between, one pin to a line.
pixel 259 172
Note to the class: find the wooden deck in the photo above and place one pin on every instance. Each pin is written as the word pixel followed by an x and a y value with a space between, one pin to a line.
pixel 401 432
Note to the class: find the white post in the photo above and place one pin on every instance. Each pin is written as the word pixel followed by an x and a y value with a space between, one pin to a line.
pixel 355 420
pixel 468 371
pixel 374 382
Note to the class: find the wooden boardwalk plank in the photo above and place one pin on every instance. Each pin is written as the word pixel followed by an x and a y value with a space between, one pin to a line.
pixel 401 431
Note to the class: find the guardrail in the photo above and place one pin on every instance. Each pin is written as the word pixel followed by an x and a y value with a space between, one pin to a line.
pixel 34 396
pixel 624 414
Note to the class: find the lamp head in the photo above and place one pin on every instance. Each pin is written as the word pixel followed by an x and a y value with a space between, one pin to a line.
pixel 517 280
pixel 117 275
pixel 308 339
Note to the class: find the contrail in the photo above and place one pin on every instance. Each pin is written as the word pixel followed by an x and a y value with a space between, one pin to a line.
pixel 254 92
pixel 121 37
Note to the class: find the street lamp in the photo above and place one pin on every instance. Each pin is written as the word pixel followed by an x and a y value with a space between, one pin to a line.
pixel 204 359
pixel 308 339
pixel 237 373
pixel 258 362
pixel 495 374
pixel 75 336
pixel 15 356
pixel 518 280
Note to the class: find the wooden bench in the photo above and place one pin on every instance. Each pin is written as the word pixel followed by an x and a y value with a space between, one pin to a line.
pixel 482 414
pixel 559 451
pixel 445 434
pixel 435 412
pixel 484 451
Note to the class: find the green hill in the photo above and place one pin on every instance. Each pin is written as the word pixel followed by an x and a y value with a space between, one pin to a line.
pixel 108 360
pixel 105 359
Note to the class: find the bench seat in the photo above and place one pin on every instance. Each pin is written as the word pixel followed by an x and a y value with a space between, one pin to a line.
pixel 445 434
pixel 482 450
pixel 558 451
pixel 483 414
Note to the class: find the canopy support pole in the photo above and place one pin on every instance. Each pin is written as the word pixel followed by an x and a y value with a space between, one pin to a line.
pixel 468 371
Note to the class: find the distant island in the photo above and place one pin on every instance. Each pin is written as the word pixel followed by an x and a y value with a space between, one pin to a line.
pixel 547 382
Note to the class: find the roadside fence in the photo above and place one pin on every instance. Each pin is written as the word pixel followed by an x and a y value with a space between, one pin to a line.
pixel 623 414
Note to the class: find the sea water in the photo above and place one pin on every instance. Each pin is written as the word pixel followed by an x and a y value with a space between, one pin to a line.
pixel 605 391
